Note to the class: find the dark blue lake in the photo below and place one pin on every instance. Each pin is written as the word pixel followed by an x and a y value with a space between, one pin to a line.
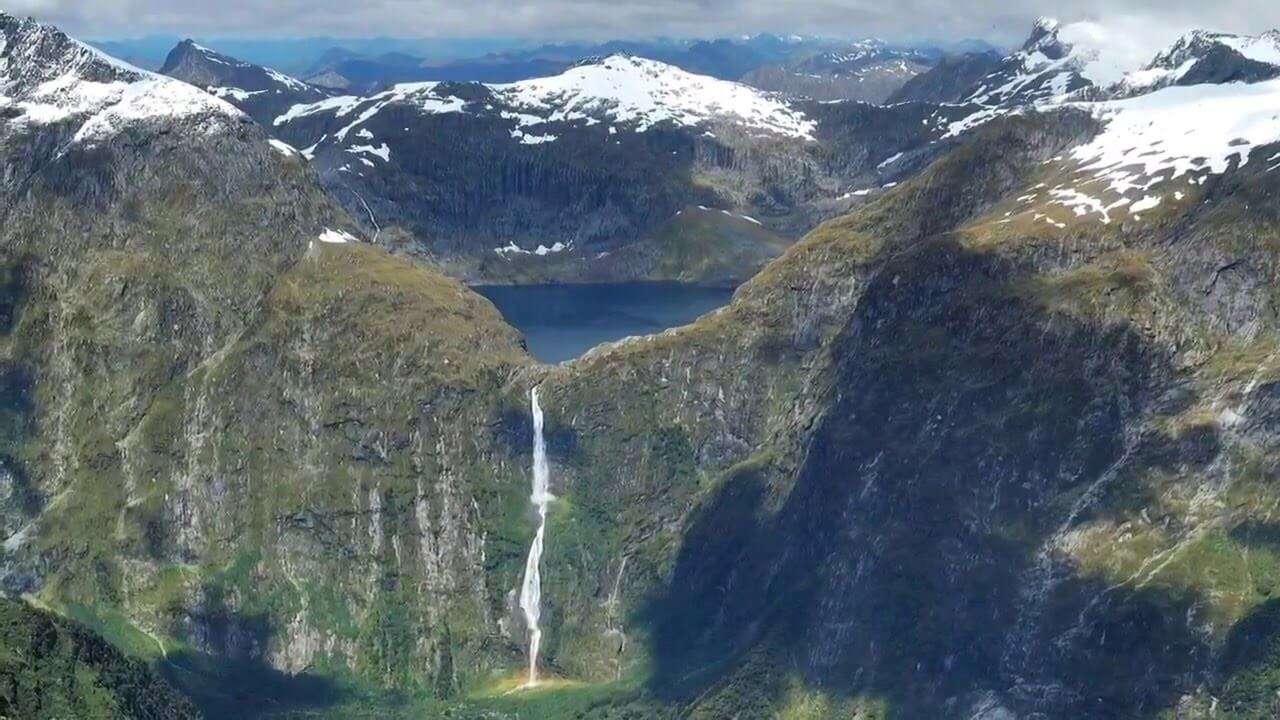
pixel 561 322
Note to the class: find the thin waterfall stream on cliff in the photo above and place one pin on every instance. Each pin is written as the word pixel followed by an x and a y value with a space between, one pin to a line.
pixel 541 497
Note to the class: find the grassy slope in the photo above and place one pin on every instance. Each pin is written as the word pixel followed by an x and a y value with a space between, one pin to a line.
pixel 51 668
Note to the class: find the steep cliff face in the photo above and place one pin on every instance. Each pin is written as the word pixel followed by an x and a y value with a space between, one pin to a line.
pixel 236 436
pixel 1001 446
pixel 740 391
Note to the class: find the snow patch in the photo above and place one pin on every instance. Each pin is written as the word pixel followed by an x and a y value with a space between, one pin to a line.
pixel 541 250
pixel 284 148
pixel 422 95
pixel 234 93
pixel 889 162
pixel 383 151
pixel 336 237
pixel 1147 203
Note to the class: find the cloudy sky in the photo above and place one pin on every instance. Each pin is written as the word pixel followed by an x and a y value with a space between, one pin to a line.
pixel 1000 21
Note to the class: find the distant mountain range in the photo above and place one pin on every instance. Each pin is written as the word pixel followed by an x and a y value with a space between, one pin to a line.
pixel 296 55
pixel 374 64
pixel 819 68
pixel 578 176
pixel 504 182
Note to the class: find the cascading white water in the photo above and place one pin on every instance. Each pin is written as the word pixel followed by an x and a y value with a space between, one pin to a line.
pixel 531 591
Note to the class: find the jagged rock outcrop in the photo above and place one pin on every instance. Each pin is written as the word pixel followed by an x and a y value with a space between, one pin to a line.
pixel 1209 58
pixel 262 93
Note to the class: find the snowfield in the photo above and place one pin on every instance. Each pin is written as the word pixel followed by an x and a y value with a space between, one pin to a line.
pixel 1179 131
pixel 1153 131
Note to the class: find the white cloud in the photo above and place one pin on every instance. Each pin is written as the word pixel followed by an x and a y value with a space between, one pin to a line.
pixel 1120 44
pixel 997 20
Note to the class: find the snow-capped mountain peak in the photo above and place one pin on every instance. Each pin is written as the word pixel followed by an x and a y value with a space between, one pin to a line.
pixel 645 92
pixel 48 78
pixel 260 91
pixel 1047 24
pixel 1201 57
pixel 1044 39
pixel 1046 68
pixel 200 65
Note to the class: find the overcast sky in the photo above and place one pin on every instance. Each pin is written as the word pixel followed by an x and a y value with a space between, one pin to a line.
pixel 1003 22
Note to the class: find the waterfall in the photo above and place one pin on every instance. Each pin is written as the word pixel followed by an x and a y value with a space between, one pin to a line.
pixel 531 591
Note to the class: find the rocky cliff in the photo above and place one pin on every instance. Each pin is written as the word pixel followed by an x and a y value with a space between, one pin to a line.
pixel 240 442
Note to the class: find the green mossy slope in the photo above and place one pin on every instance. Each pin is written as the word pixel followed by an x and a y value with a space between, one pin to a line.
pixel 51 669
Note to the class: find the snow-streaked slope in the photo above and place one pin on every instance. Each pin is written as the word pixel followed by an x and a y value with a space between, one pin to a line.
pixel 423 96
pixel 1045 69
pixel 48 78
pixel 627 91
pixel 1264 48
pixel 1202 107
pixel 1154 149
